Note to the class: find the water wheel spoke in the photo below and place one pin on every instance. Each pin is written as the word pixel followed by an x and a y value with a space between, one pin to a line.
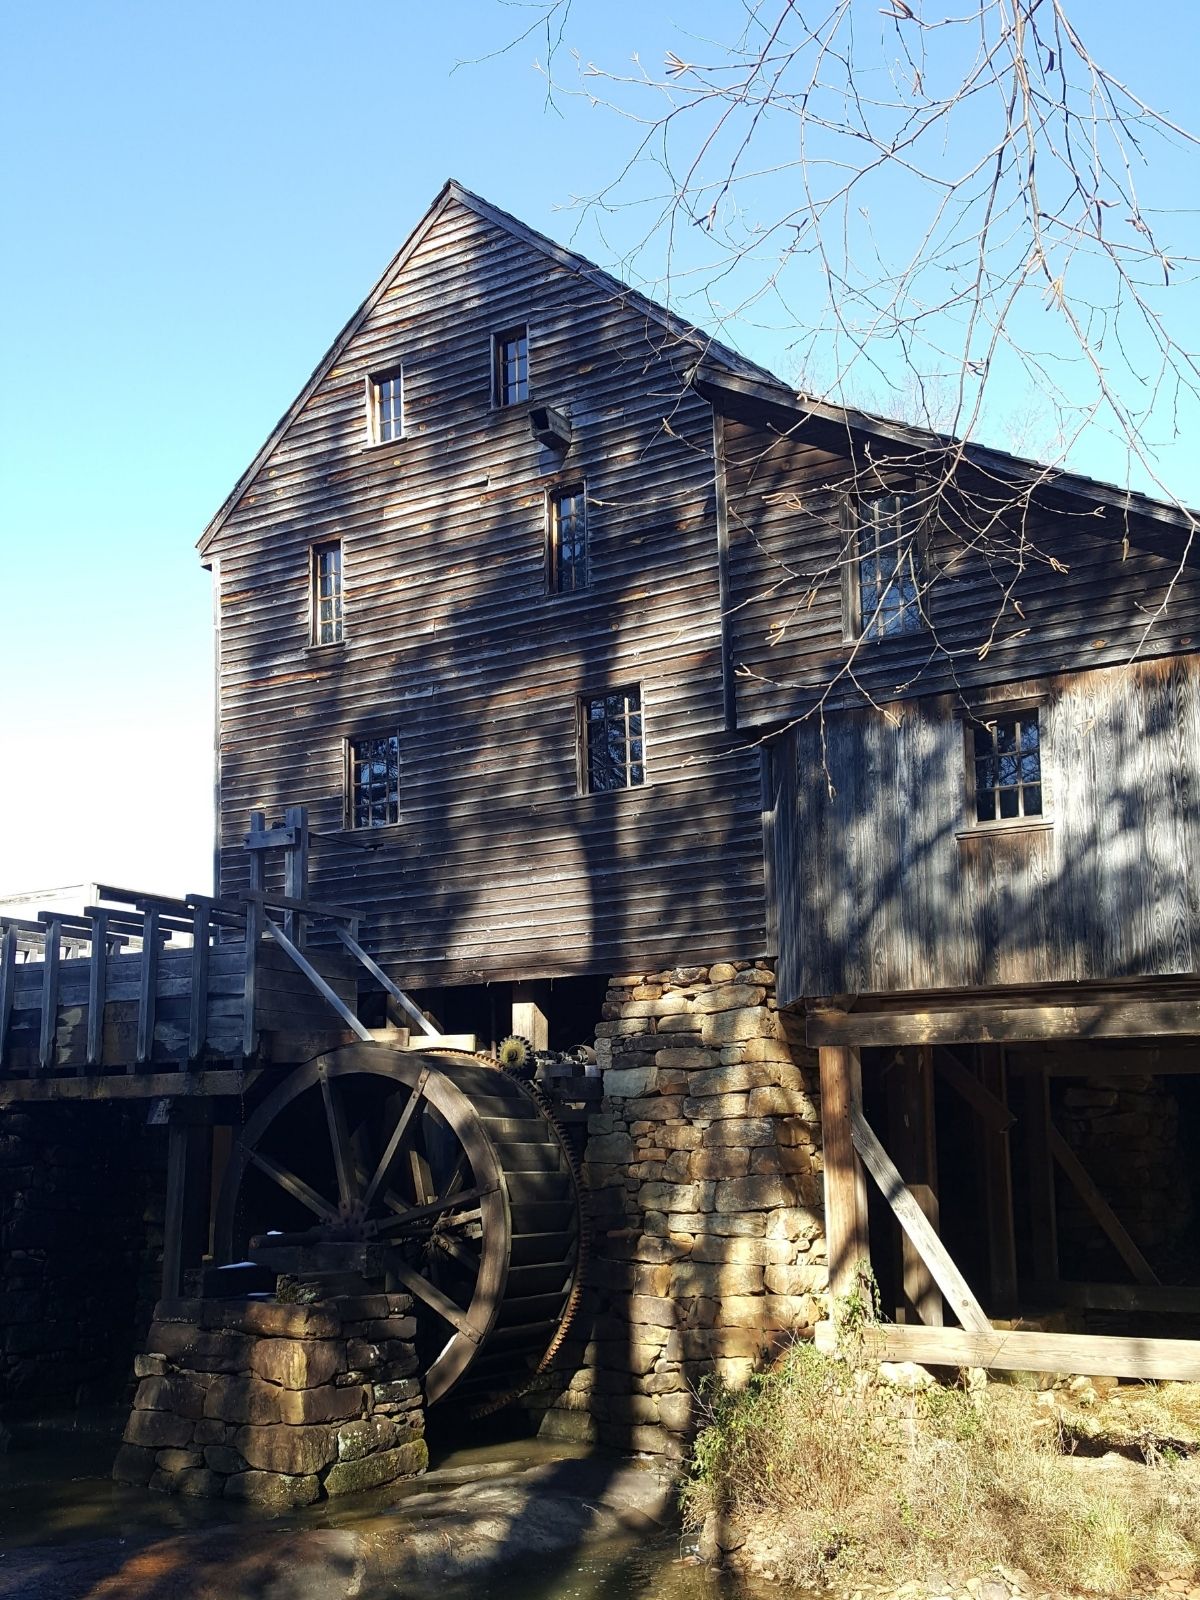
pixel 434 1208
pixel 458 1251
pixel 339 1139
pixel 433 1297
pixel 399 1132
pixel 295 1186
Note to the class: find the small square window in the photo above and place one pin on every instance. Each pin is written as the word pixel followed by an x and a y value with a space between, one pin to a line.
pixel 510 367
pixel 1008 767
pixel 385 407
pixel 326 601
pixel 612 748
pixel 567 554
pixel 373 782
pixel 887 568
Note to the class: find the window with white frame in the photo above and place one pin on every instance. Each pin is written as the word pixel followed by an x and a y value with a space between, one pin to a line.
pixel 385 406
pixel 1007 756
pixel 885 592
pixel 326 585
pixel 510 367
pixel 612 753
pixel 567 555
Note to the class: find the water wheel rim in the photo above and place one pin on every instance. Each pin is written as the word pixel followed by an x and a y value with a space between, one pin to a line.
pixel 420 1072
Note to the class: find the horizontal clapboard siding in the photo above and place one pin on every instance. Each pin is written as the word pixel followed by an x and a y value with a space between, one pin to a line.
pixel 884 885
pixel 499 868
pixel 1077 596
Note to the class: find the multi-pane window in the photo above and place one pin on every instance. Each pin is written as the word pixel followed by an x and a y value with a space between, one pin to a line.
pixel 889 567
pixel 1008 767
pixel 374 782
pixel 510 360
pixel 611 730
pixel 327 593
pixel 387 407
pixel 568 555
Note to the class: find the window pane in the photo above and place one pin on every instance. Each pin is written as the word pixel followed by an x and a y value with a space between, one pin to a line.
pixel 375 781
pixel 985 806
pixel 326 594
pixel 1008 803
pixel 1033 801
pixel 613 733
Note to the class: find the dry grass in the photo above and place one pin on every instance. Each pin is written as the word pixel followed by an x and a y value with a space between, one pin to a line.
pixel 845 1477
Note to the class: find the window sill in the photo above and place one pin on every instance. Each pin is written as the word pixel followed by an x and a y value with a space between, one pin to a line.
pixel 324 649
pixel 1006 825
pixel 384 444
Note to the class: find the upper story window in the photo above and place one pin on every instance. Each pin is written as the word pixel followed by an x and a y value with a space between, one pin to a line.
pixel 510 367
pixel 373 782
pixel 1008 767
pixel 326 582
pixel 567 555
pixel 883 597
pixel 612 754
pixel 385 407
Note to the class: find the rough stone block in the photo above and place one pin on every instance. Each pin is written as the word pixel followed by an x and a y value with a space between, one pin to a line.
pixel 157 1430
pixel 728 997
pixel 766 1193
pixel 729 1079
pixel 370 1472
pixel 134 1464
pixel 651 1310
pixel 365 1437
pixel 176 1460
pixel 402 1392
pixel 178 1311
pixel 677 1411
pixel 273 1489
pixel 569 1427
pixel 210 1431
pixel 361 1307
pixel 696 1197
pixel 682 1054
pixel 224 1459
pixel 293 1450
pixel 796 1222
pixel 199 1483
pixel 745 1252
pixel 180 1392
pixel 743 1342
pixel 149 1366
pixel 666 1005
pixel 297 1363
pixel 622 1083
pixel 719 1279
pixel 721 1163
pixel 659 1108
pixel 272 1317
pixel 740 1132
pixel 793 1313
pixel 722 972
pixel 792 1280
pixel 616 1147
pixel 248 1400
pixel 794 1159
pixel 729 1027
pixel 684 1023
pixel 778 1102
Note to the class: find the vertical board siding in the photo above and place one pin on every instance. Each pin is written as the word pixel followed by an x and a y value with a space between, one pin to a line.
pixel 498 868
pixel 889 888
pixel 785 496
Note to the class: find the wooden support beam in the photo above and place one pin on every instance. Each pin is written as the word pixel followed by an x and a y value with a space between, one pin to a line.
pixel 991 1110
pixel 1099 1207
pixel 254 922
pixel 147 986
pixel 356 950
pixel 1007 1351
pixel 1039 1161
pixel 177 1165
pixel 198 995
pixel 846 1235
pixel 295 871
pixel 1117 1019
pixel 911 1130
pixel 996 1173
pixel 97 988
pixel 49 1025
pixel 912 1219
pixel 318 982
pixel 8 982
pixel 1159 1299
pixel 530 1002
pixel 127 1086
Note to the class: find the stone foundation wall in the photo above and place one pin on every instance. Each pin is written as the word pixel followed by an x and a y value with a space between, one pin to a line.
pixel 278 1404
pixel 80 1236
pixel 703 1169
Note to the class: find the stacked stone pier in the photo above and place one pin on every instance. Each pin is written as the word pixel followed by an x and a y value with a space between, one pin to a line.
pixel 274 1403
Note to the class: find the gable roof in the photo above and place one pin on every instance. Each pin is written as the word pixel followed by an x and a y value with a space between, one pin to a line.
pixel 707 349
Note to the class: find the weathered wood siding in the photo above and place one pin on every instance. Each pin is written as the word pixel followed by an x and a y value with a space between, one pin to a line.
pixel 885 884
pixel 499 868
pixel 1099 605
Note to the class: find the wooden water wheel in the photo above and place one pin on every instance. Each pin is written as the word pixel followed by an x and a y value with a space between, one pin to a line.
pixel 432 1173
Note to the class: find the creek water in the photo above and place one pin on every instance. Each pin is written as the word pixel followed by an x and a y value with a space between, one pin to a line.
pixel 55 1491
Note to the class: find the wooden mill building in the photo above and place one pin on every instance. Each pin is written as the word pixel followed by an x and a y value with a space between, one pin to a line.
pixel 835 782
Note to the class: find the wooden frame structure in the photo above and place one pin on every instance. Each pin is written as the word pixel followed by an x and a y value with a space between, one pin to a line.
pixel 930 1277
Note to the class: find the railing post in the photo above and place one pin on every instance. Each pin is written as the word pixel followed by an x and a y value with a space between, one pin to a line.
pixel 198 1000
pixel 97 975
pixel 254 914
pixel 148 986
pixel 46 1043
pixel 8 983
pixel 295 872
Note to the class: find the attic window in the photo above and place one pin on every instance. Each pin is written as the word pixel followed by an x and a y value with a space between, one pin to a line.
pixel 510 367
pixel 326 581
pixel 1008 767
pixel 385 407
pixel 885 568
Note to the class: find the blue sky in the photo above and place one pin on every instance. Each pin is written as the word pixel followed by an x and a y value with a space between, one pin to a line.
pixel 195 199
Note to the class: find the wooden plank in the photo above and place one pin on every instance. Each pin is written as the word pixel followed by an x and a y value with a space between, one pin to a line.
pixel 148 988
pixel 201 963
pixel 911 1132
pixel 846 1235
pixel 177 1166
pixel 1099 1207
pixel 8 969
pixel 49 1016
pixel 721 513
pixel 949 1279
pixel 1021 1351
pixel 1002 1024
pixel 996 1173
pixel 254 931
pixel 1039 1164
pixel 295 872
pixel 136 1086
pixel 529 1019
pixel 317 981
pixel 97 991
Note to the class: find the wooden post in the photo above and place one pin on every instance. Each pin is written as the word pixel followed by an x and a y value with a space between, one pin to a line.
pixel 996 1173
pixel 185 1223
pixel 198 999
pixel 8 983
pixel 1043 1212
pixel 295 872
pixel 51 941
pixel 914 1149
pixel 846 1236
pixel 254 915
pixel 97 973
pixel 530 1003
